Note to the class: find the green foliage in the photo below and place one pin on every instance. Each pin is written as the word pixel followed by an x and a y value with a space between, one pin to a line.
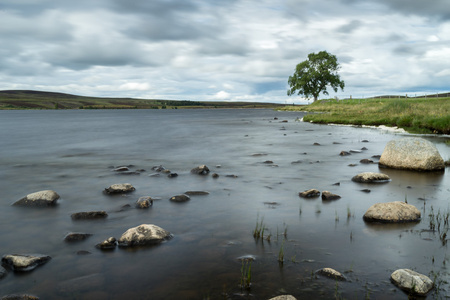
pixel 312 76
pixel 246 273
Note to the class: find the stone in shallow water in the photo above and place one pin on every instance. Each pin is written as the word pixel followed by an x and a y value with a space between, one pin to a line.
pixel 412 281
pixel 145 234
pixel 144 202
pixel 200 170
pixel 392 212
pixel 331 273
pixel 19 297
pixel 76 236
pixel 310 193
pixel 42 198
pixel 120 188
pixel 108 244
pixel 326 195
pixel 24 262
pixel 180 198
pixel 371 177
pixel 87 215
pixel 284 297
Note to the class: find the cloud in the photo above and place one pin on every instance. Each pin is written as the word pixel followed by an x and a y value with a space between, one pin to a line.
pixel 222 95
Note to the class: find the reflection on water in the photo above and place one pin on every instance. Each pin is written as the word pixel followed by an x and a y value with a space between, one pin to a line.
pixel 72 152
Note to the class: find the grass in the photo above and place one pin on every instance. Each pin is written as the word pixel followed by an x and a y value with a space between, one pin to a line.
pixel 246 274
pixel 415 115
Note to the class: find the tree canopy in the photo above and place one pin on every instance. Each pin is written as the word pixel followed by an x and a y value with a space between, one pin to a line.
pixel 312 76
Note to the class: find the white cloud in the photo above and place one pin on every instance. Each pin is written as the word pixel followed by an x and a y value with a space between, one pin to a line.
pixel 222 95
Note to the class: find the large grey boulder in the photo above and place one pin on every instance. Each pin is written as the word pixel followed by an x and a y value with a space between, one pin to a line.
pixel 145 234
pixel 412 153
pixel 392 212
pixel 41 198
pixel 412 281
pixel 23 263
pixel 120 188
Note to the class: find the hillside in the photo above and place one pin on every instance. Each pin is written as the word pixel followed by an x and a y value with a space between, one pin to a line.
pixel 26 99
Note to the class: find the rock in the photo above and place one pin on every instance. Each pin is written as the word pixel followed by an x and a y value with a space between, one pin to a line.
pixel 215 175
pixel 331 273
pixel 196 193
pixel 145 234
pixel 284 297
pixel 42 198
pixel 326 195
pixel 392 212
pixel 180 198
pixel 2 272
pixel 312 193
pixel 144 202
pixel 108 244
pixel 370 177
pixel 88 215
pixel 158 168
pixel 316 144
pixel 231 176
pixel 120 188
pixel 412 281
pixel 128 173
pixel 121 169
pixel 200 170
pixel 23 263
pixel 366 161
pixel 344 153
pixel 172 175
pixel 412 153
pixel 83 252
pixel 19 297
pixel 365 190
pixel 355 151
pixel 76 236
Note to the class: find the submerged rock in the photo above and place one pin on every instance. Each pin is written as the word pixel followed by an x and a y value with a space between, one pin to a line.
pixel 180 198
pixel 200 170
pixel 326 195
pixel 2 272
pixel 412 153
pixel 145 234
pixel 412 281
pixel 196 193
pixel 392 212
pixel 87 215
pixel 344 153
pixel 108 244
pixel 76 236
pixel 42 198
pixel 120 188
pixel 144 202
pixel 366 161
pixel 284 297
pixel 312 193
pixel 19 297
pixel 331 273
pixel 24 262
pixel 370 177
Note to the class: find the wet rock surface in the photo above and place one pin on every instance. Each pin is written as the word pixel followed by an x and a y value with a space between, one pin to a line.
pixel 180 198
pixel 19 297
pixel 284 297
pixel 200 170
pixel 89 215
pixel 326 195
pixel 196 193
pixel 41 199
pixel 392 212
pixel 24 262
pixel 108 244
pixel 76 237
pixel 371 177
pixel 119 188
pixel 412 282
pixel 331 273
pixel 311 193
pixel 144 202
pixel 145 234
pixel 412 153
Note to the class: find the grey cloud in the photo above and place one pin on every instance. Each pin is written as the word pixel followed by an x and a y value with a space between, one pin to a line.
pixel 350 26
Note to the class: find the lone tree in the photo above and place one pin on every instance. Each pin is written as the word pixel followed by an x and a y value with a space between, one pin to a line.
pixel 313 75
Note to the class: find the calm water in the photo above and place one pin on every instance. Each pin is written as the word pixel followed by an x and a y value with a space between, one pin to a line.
pixel 72 152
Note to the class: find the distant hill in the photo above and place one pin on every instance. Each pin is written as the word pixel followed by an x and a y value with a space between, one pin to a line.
pixel 28 99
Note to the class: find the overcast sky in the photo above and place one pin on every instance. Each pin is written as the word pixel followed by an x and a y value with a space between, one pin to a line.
pixel 234 50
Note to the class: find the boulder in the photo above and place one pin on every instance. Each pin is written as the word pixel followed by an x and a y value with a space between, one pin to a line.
pixel 331 273
pixel 108 244
pixel 196 193
pixel 326 195
pixel 200 170
pixel 144 202
pixel 23 263
pixel 366 161
pixel 120 188
pixel 87 215
pixel 19 297
pixel 312 193
pixel 412 153
pixel 392 212
pixel 371 177
pixel 76 236
pixel 344 153
pixel 145 234
pixel 412 282
pixel 180 198
pixel 42 198
pixel 284 297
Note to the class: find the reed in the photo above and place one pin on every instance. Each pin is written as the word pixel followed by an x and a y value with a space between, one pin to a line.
pixel 246 274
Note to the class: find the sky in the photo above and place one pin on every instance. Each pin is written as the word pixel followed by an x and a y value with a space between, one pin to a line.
pixel 230 50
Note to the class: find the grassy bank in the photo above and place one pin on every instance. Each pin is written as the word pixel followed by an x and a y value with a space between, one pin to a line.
pixel 20 99
pixel 415 115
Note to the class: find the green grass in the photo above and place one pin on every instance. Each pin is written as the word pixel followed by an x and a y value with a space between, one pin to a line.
pixel 415 115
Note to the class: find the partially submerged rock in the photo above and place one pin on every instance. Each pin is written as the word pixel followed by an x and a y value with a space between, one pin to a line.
pixel 196 193
pixel 145 234
pixel 371 177
pixel 412 281
pixel 326 195
pixel 120 188
pixel 108 244
pixel 144 202
pixel 180 198
pixel 2 272
pixel 284 297
pixel 76 236
pixel 19 297
pixel 24 262
pixel 200 170
pixel 411 153
pixel 312 193
pixel 41 198
pixel 89 215
pixel 392 212
pixel 331 273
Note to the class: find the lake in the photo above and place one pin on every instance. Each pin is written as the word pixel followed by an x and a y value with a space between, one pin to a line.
pixel 264 158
